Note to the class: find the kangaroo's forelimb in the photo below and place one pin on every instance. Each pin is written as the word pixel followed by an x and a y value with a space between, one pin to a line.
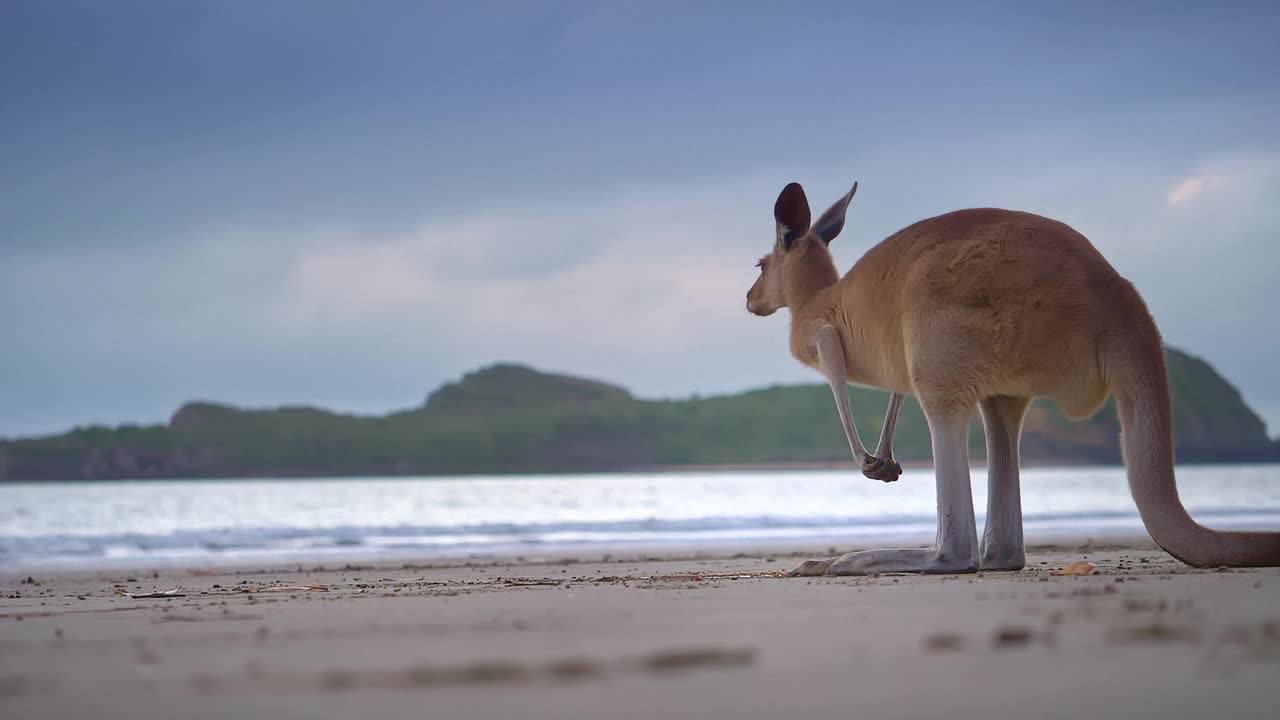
pixel 831 363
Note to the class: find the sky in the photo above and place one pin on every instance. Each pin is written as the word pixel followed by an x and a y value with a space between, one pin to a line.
pixel 349 204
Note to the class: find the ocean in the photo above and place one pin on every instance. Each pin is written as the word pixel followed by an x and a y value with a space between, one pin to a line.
pixel 212 522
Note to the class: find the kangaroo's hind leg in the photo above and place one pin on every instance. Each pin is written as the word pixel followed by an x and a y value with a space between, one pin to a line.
pixel 1002 545
pixel 956 547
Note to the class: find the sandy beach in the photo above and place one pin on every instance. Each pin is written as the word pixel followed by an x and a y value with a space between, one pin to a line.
pixel 637 635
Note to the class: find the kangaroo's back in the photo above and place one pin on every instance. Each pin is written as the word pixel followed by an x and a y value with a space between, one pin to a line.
pixel 1024 298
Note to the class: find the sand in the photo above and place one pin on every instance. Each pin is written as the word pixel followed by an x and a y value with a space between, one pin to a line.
pixel 720 635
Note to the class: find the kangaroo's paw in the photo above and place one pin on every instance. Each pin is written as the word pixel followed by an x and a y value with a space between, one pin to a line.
pixel 883 469
pixel 812 568
pixel 904 560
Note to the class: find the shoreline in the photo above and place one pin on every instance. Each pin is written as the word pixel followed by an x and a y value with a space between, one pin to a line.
pixel 1130 535
pixel 556 554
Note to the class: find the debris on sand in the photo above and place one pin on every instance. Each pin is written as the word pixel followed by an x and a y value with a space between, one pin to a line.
pixel 944 642
pixel 1011 637
pixel 1079 567
pixel 503 672
pixel 1154 633
pixel 700 657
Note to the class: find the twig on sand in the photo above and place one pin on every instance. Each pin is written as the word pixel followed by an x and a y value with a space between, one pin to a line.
pixel 285 588
pixel 531 583
pixel 174 593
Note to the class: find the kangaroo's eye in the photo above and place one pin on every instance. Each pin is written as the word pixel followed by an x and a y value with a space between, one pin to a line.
pixel 760 264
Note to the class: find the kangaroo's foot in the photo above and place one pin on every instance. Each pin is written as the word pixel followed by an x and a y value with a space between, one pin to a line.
pixel 866 562
pixel 1006 555
pixel 885 469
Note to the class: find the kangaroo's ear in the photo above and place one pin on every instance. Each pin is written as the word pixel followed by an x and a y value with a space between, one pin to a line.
pixel 832 221
pixel 791 212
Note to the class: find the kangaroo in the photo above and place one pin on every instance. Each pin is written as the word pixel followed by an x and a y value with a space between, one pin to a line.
pixel 984 308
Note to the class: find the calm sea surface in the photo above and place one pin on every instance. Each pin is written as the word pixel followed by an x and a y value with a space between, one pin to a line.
pixel 212 521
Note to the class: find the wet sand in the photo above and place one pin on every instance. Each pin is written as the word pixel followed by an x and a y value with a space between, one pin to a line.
pixel 635 636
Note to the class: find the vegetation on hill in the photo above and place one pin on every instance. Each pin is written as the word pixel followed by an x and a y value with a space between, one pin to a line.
pixel 512 419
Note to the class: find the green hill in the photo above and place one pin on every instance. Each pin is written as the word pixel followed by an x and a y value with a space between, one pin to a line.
pixel 512 419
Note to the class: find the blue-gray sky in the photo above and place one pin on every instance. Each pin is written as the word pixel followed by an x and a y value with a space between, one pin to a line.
pixel 347 204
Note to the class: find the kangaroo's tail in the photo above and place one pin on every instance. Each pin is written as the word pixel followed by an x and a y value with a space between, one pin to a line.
pixel 1140 382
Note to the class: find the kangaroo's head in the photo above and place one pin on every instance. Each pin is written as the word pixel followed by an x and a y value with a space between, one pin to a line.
pixel 791 215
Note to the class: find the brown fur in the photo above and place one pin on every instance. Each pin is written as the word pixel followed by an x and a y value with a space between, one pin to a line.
pixel 983 303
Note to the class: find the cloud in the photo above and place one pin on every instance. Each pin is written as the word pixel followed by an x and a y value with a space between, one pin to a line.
pixel 640 271
pixel 1191 187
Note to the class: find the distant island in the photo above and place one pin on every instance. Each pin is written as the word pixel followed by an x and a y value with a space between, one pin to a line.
pixel 513 419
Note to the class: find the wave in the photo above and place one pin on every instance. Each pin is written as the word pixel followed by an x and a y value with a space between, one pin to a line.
pixel 240 543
